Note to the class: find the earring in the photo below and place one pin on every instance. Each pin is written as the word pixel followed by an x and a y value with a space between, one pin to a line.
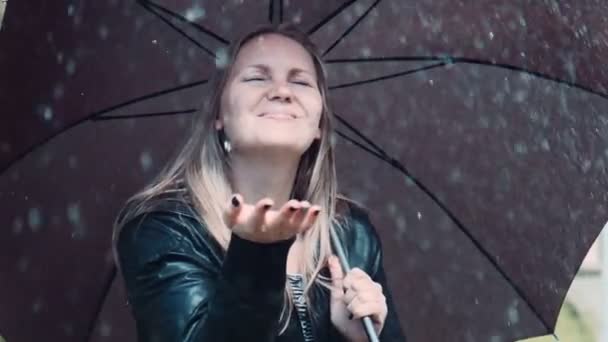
pixel 225 143
pixel 227 146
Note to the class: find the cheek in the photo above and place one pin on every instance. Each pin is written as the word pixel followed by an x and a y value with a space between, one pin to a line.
pixel 315 105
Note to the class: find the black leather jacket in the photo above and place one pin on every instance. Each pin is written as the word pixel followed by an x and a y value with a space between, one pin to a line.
pixel 181 286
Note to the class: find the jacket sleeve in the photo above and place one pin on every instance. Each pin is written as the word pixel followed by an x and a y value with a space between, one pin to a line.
pixel 181 293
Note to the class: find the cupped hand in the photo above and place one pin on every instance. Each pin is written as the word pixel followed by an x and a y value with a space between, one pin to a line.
pixel 260 223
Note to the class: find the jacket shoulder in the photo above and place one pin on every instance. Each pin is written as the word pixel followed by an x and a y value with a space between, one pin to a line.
pixel 170 224
pixel 360 239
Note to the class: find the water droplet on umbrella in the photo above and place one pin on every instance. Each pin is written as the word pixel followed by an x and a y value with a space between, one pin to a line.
pixel 154 41
pixel 17 226
pixel 145 160
pixel 105 329
pixel 70 10
pixel 72 162
pixel 103 32
pixel 48 114
pixel 221 59
pixel 70 67
pixel 37 305
pixel 419 215
pixel 58 91
pixel 34 218
pixel 23 264
pixel 73 214
pixel 195 13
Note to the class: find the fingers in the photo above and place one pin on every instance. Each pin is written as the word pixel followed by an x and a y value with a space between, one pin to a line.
pixel 258 217
pixel 337 278
pixel 232 209
pixel 364 297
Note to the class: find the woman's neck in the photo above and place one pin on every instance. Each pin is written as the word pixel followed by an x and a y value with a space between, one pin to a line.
pixel 257 177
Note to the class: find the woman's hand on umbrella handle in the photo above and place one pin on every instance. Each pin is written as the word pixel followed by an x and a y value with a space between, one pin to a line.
pixel 260 223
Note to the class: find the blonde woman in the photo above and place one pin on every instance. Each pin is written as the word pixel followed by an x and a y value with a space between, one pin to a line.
pixel 231 242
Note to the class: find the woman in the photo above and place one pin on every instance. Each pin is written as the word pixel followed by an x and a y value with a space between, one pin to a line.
pixel 231 242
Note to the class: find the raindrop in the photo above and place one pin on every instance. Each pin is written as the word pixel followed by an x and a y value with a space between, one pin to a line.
pixel 70 10
pixel 58 91
pixel 103 32
pixel 48 113
pixel 37 305
pixel 72 162
pixel 70 67
pixel 520 148
pixel 17 226
pixel 34 219
pixel 73 214
pixel 145 160
pixel 419 215
pixel 221 59
pixel 366 51
pixel 425 245
pixel 520 96
pixel 513 315
pixel 455 176
pixel 491 35
pixel 23 264
pixel 105 329
pixel 195 13
pixel 154 41
pixel 68 329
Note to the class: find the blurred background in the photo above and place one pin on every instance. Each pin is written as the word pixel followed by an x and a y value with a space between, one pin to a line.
pixel 584 315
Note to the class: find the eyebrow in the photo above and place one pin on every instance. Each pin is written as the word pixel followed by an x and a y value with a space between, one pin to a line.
pixel 266 69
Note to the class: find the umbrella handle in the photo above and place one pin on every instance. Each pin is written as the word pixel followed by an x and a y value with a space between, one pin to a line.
pixel 366 321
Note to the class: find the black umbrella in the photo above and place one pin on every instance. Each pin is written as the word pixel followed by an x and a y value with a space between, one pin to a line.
pixel 475 133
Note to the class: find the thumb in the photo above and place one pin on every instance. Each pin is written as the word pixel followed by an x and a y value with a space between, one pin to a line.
pixel 337 277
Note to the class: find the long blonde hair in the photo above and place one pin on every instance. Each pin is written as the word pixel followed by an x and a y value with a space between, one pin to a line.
pixel 202 166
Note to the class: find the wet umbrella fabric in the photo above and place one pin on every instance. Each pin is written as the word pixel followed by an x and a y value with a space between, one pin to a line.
pixel 487 188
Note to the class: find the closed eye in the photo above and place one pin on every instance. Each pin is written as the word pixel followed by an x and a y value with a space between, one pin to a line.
pixel 257 78
pixel 304 83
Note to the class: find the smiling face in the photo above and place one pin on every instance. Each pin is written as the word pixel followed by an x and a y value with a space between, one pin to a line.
pixel 271 99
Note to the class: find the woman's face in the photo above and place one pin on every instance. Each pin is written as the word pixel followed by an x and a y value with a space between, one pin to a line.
pixel 271 100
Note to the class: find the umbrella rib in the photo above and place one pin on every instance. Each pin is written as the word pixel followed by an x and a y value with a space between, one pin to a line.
pixel 379 152
pixel 92 116
pixel 99 306
pixel 464 60
pixel 351 28
pixel 146 97
pixel 382 155
pixel 329 17
pixel 177 29
pixel 386 77
pixel 275 6
pixel 144 115
pixel 193 24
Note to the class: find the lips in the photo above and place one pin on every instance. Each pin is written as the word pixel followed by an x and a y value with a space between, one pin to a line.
pixel 278 115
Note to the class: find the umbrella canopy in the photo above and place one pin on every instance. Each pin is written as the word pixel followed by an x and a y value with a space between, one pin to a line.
pixel 476 134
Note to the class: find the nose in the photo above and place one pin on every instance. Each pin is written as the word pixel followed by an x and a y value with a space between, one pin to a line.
pixel 280 92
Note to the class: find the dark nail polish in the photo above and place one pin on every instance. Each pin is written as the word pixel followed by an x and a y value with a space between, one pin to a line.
pixel 350 316
pixel 235 201
pixel 316 212
pixel 292 209
pixel 267 206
